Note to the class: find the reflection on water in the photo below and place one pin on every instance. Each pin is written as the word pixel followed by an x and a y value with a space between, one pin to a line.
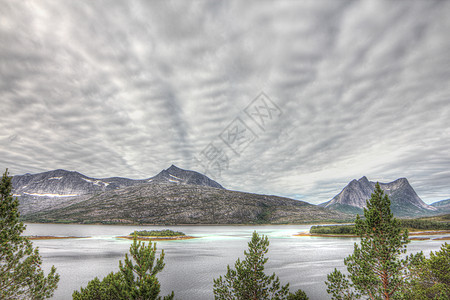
pixel 191 265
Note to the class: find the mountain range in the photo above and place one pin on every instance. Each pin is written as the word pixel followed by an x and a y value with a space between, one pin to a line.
pixel 174 196
pixel 58 188
pixel 404 200
pixel 178 196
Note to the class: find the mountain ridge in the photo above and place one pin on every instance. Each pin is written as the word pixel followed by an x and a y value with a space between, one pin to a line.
pixel 168 203
pixel 58 187
pixel 173 196
pixel 442 205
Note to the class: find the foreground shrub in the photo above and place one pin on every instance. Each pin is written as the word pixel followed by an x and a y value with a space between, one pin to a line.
pixel 248 280
pixel 136 278
pixel 431 277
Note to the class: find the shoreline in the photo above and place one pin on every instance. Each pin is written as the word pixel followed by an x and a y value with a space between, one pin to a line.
pixel 165 225
pixel 414 236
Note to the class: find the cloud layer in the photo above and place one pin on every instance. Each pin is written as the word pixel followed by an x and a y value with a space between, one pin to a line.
pixel 126 88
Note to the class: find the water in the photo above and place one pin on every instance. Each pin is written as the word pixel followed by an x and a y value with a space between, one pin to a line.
pixel 191 265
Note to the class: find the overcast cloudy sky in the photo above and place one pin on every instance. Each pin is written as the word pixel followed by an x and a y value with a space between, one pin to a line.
pixel 127 88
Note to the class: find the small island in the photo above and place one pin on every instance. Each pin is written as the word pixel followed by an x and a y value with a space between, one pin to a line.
pixel 157 235
pixel 418 229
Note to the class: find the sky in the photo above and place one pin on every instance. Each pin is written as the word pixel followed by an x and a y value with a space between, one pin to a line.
pixel 289 98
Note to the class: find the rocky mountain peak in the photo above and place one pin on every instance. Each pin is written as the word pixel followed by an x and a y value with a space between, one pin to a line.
pixel 404 200
pixel 173 168
pixel 174 174
pixel 363 180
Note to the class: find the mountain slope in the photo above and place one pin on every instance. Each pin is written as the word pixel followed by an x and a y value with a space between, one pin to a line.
pixel 60 188
pixel 443 205
pixel 404 200
pixel 170 203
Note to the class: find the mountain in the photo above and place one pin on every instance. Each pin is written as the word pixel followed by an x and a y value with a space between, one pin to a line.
pixel 173 196
pixel 59 188
pixel 171 203
pixel 404 200
pixel 443 205
pixel 180 176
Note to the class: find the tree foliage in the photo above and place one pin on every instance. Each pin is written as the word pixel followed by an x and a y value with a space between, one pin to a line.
pixel 164 232
pixel 21 275
pixel 405 224
pixel 298 295
pixel 248 280
pixel 376 269
pixel 431 277
pixel 333 229
pixel 136 278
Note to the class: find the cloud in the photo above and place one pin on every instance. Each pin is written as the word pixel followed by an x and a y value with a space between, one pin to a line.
pixel 113 88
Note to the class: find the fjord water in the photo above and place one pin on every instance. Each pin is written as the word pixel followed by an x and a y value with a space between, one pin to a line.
pixel 191 265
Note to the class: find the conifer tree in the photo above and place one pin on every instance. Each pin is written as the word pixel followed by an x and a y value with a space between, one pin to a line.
pixel 431 277
pixel 248 280
pixel 21 275
pixel 375 268
pixel 135 280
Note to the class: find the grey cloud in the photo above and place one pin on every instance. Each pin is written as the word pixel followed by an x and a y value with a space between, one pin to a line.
pixel 113 88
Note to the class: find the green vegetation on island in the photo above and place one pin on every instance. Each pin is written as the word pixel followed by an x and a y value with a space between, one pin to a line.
pixel 333 229
pixel 437 223
pixel 157 233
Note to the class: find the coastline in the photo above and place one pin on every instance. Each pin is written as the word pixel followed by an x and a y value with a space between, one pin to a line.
pixel 180 224
pixel 414 236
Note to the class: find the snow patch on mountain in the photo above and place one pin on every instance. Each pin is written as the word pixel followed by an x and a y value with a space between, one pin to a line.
pixel 50 195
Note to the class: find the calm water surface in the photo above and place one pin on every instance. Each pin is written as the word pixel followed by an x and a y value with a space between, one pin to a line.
pixel 191 265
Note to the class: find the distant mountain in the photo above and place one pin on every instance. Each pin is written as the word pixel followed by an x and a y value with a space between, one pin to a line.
pixel 443 205
pixel 404 200
pixel 62 183
pixel 171 203
pixel 174 196
pixel 59 188
pixel 180 176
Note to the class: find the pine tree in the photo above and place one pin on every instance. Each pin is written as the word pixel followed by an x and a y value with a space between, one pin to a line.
pixel 375 268
pixel 100 290
pixel 21 276
pixel 248 280
pixel 298 295
pixel 431 277
pixel 136 278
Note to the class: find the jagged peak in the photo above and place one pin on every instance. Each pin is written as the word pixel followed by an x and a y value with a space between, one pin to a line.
pixel 353 182
pixel 363 179
pixel 173 168
pixel 403 179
